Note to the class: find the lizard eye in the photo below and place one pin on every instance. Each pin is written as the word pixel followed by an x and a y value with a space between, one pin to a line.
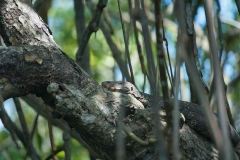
pixel 131 88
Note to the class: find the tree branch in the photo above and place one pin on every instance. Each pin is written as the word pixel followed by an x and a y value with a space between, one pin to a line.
pixel 85 105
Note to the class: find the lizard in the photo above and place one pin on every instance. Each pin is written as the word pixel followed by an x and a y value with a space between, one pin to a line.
pixel 194 115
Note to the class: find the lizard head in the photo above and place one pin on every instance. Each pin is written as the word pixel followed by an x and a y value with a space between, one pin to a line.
pixel 119 86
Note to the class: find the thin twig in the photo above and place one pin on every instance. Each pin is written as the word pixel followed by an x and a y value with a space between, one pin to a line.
pixel 169 77
pixel 176 118
pixel 67 144
pixel 32 132
pixel 169 62
pixel 139 48
pixel 162 70
pixel 221 45
pixel 126 44
pixel 140 15
pixel 7 122
pixel 27 136
pixel 183 38
pixel 53 147
pixel 116 53
pixel 147 41
pixel 225 150
pixel 82 58
pixel 238 5
pixel 120 141
pixel 59 149
pixel 137 139
pixel 108 20
pixel 92 26
pixel 34 125
pixel 114 49
pixel 192 51
pixel 6 119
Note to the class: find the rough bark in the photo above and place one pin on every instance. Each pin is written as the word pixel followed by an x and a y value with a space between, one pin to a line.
pixel 36 65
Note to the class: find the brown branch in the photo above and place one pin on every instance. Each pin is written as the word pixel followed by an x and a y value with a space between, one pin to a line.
pixel 126 44
pixel 67 144
pixel 59 149
pixel 92 27
pixel 108 20
pixel 163 75
pixel 82 58
pixel 183 39
pixel 27 137
pixel 34 125
pixel 140 15
pixel 113 47
pixel 139 48
pixel 8 124
pixel 221 45
pixel 169 61
pixel 116 53
pixel 192 52
pixel 225 149
pixel 176 117
pixel 238 5
pixel 53 147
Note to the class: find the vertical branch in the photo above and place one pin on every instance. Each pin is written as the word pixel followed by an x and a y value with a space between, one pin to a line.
pixel 224 151
pixel 221 45
pixel 53 147
pixel 126 44
pixel 139 49
pixel 7 122
pixel 12 128
pixel 238 5
pixel 34 125
pixel 183 39
pixel 82 58
pixel 120 142
pixel 108 20
pixel 176 152
pixel 147 41
pixel 162 70
pixel 115 51
pixel 168 56
pixel 192 52
pixel 92 27
pixel 27 136
pixel 67 144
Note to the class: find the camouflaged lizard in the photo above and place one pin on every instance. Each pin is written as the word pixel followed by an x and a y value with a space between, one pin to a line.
pixel 193 113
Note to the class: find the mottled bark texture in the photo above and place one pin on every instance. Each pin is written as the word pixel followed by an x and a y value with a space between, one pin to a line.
pixel 32 63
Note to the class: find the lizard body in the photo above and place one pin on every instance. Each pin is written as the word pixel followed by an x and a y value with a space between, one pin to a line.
pixel 194 114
